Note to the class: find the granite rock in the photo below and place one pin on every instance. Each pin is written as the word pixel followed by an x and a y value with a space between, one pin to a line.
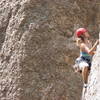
pixel 37 48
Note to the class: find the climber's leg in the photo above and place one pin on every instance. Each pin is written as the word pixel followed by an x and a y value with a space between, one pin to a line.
pixel 85 73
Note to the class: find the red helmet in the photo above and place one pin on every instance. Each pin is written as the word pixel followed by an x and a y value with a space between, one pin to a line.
pixel 80 31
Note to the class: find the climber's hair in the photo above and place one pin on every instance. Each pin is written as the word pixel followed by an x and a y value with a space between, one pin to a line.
pixel 80 40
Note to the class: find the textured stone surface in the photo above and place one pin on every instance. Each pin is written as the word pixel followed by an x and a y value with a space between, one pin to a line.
pixel 38 49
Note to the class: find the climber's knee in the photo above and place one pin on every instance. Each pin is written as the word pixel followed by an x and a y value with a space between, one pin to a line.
pixel 85 68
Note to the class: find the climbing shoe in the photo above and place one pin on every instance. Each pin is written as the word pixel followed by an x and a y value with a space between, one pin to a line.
pixel 85 85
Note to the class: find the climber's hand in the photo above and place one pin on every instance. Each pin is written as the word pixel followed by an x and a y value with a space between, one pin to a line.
pixel 92 53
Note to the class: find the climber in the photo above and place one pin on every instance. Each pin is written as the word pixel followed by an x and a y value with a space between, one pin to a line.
pixel 86 52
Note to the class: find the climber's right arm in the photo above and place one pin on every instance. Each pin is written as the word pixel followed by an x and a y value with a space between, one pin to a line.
pixel 89 51
pixel 92 50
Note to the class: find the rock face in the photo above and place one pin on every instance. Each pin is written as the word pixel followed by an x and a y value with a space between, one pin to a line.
pixel 37 48
pixel 93 90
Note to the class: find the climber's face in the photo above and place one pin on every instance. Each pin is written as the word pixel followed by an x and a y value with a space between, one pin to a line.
pixel 86 34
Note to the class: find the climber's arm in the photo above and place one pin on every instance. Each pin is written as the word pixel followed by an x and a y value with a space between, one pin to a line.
pixel 92 50
pixel 89 51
